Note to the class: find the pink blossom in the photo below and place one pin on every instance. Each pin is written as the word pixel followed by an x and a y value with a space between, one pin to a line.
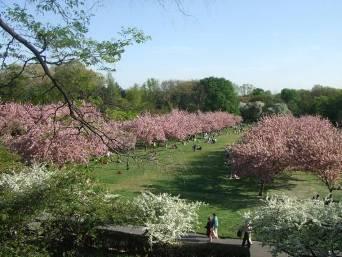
pixel 281 143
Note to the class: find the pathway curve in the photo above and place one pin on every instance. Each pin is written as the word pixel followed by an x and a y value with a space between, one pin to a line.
pixel 256 250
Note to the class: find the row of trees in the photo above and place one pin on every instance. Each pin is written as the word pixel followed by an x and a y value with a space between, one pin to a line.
pixel 324 101
pixel 81 83
pixel 48 133
pixel 280 143
pixel 208 94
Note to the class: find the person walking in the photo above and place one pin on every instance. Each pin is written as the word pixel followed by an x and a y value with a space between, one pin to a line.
pixel 208 227
pixel 215 224
pixel 247 234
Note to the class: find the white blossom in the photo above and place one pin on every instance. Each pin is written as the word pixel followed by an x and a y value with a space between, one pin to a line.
pixel 19 182
pixel 299 227
pixel 166 217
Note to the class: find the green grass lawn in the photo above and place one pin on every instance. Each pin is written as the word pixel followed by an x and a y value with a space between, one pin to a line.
pixel 9 161
pixel 201 176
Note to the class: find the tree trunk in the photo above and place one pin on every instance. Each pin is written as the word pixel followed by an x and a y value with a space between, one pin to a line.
pixel 261 189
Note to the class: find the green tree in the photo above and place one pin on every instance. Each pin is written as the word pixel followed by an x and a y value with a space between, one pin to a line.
pixel 151 89
pixel 219 95
pixel 27 38
pixel 246 89
pixel 330 107
pixel 251 111
pixel 135 98
pixel 79 82
pixel 110 94
pixel 186 95
pixel 289 95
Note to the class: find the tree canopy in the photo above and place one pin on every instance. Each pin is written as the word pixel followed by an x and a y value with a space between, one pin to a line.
pixel 218 94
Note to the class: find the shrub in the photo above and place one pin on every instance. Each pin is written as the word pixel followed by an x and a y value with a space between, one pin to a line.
pixel 43 211
pixel 166 217
pixel 299 228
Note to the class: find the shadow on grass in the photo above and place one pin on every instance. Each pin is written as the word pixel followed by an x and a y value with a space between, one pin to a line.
pixel 206 179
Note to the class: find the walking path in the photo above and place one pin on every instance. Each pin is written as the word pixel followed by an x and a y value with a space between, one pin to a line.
pixel 256 250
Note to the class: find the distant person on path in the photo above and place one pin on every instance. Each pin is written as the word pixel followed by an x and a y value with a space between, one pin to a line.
pixel 208 227
pixel 247 235
pixel 215 224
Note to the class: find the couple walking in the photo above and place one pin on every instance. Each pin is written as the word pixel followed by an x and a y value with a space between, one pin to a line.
pixel 212 227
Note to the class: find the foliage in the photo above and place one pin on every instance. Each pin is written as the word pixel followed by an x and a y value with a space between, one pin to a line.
pixel 79 82
pixel 299 227
pixel 251 111
pixel 8 160
pixel 219 95
pixel 166 217
pixel 63 41
pixel 26 179
pixel 246 89
pixel 55 212
pixel 118 115
pixel 49 213
pixel 278 143
pixel 192 96
pixel 325 101
pixel 277 108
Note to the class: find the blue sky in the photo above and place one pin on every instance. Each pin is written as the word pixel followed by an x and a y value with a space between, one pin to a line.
pixel 271 44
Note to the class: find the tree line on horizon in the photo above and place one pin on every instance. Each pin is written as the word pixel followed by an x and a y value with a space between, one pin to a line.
pixel 207 94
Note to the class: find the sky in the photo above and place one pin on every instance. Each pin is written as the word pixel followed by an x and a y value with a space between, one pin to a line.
pixel 271 44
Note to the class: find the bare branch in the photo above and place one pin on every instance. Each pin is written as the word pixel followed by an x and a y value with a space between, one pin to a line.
pixel 6 53
pixel 17 75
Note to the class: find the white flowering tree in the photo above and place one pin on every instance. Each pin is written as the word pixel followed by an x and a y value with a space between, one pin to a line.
pixel 166 217
pixel 30 177
pixel 299 227
pixel 49 213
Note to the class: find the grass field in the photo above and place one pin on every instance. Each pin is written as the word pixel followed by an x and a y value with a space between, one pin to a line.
pixel 9 161
pixel 200 176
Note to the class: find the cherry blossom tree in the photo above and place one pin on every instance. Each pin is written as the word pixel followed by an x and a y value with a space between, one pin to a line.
pixel 48 133
pixel 146 128
pixel 181 125
pixel 281 143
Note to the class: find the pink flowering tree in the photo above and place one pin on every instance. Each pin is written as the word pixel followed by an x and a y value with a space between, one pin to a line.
pixel 47 133
pixel 177 125
pixel 180 125
pixel 146 128
pixel 281 143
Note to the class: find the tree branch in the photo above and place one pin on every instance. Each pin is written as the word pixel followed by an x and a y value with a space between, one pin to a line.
pixel 6 52
pixel 75 113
